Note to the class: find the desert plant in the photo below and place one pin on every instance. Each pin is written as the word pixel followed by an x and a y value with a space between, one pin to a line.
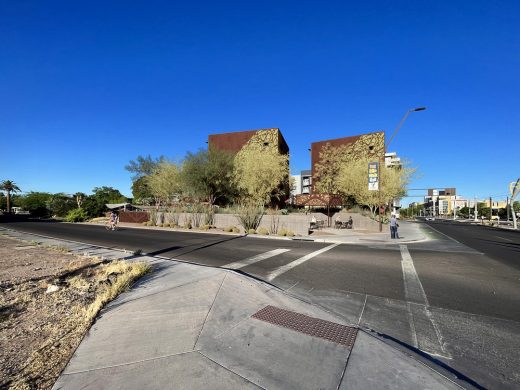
pixel 187 222
pixel 251 231
pixel 249 216
pixel 153 217
pixel 76 215
pixel 236 230
pixel 274 221
pixel 282 232
pixel 263 231
pixel 289 233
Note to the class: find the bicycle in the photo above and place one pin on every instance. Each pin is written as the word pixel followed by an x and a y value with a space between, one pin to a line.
pixel 111 226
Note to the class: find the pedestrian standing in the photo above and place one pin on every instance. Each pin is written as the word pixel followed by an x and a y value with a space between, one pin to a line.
pixel 393 227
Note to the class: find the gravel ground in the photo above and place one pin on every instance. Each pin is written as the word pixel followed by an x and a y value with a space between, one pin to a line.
pixel 44 296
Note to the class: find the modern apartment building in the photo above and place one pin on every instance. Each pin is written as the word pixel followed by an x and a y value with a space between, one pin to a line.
pixel 268 138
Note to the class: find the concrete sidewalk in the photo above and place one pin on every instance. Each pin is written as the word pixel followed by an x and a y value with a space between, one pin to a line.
pixel 192 327
pixel 408 232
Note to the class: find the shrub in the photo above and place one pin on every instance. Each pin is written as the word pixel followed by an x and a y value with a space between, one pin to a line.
pixel 251 231
pixel 289 233
pixel 263 231
pixel 236 230
pixel 172 225
pixel 228 229
pixel 76 215
pixel 284 211
pixel 205 227
pixel 144 223
pixel 249 216
pixel 282 232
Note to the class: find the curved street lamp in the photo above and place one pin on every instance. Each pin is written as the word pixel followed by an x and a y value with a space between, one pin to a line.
pixel 384 155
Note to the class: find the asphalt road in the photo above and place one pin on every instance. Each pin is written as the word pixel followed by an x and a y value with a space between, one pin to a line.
pixel 456 296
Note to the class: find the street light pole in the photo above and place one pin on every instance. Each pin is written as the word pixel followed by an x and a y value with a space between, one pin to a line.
pixel 384 156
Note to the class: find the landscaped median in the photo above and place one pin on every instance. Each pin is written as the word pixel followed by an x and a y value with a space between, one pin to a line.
pixel 49 299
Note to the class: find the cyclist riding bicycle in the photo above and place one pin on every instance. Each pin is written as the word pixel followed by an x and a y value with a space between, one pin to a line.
pixel 113 220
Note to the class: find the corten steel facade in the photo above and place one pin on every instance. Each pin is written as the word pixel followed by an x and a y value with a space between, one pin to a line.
pixel 371 145
pixel 270 138
pixel 359 146
pixel 234 142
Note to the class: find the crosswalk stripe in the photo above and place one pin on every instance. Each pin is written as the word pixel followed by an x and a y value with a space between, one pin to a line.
pixel 255 259
pixel 283 269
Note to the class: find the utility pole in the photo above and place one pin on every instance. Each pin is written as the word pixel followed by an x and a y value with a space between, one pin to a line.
pixel 476 210
pixel 507 208
pixel 490 208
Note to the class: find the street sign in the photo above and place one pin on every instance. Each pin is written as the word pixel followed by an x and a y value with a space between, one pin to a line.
pixel 373 176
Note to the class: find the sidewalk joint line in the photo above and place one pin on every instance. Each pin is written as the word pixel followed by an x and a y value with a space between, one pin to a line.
pixel 227 369
pixel 209 311
pixel 128 363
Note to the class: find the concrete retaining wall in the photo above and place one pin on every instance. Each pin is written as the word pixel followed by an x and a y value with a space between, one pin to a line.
pixel 297 223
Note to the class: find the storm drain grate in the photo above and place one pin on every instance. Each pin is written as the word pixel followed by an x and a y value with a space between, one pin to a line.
pixel 311 326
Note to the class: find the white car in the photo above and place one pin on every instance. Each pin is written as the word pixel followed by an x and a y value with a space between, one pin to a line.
pixel 430 219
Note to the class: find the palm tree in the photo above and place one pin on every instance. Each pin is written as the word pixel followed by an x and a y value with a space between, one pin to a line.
pixel 9 186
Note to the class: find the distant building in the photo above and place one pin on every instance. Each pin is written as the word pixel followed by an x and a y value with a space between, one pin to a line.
pixel 306 181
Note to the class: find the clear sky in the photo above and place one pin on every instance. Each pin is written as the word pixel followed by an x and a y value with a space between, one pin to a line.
pixel 87 86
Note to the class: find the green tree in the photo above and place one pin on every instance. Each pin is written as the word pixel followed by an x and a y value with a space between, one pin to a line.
pixel 60 204
pixel 94 205
pixel 327 170
pixel 165 183
pixel 516 206
pixel 482 210
pixel 353 180
pixel 143 166
pixel 464 212
pixel 36 203
pixel 141 191
pixel 9 187
pixel 261 174
pixel 208 175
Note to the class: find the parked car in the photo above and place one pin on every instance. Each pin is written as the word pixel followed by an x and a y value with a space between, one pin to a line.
pixel 430 218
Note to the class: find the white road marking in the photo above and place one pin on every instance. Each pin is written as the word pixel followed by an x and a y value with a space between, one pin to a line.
pixel 445 235
pixel 255 259
pixel 283 269
pixel 503 238
pixel 420 317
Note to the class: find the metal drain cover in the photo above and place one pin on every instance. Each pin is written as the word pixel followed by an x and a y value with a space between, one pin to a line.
pixel 311 326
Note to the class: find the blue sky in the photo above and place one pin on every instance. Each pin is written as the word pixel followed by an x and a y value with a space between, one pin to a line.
pixel 87 86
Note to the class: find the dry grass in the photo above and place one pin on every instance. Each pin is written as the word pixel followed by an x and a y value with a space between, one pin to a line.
pixel 126 274
pixel 39 332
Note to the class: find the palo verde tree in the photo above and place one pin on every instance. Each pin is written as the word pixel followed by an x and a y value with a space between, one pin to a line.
pixel 142 167
pixel 165 183
pixel 9 187
pixel 353 180
pixel 261 174
pixel 208 175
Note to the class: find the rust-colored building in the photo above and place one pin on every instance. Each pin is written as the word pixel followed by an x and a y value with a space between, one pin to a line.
pixel 357 147
pixel 266 139
pixel 360 146
pixel 234 142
